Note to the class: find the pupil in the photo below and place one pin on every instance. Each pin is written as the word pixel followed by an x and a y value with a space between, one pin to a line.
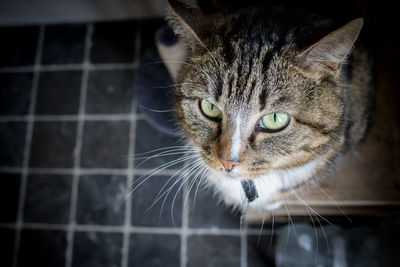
pixel 274 117
pixel 211 106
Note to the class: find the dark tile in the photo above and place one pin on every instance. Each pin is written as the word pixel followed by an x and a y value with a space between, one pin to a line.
pixel 58 92
pixel 110 91
pixel 101 200
pixel 362 244
pixel 148 29
pixel 53 144
pixel 64 44
pixel 167 208
pixel 48 198
pixel 45 248
pixel 15 93
pixel 260 251
pixel 147 139
pixel 151 250
pixel 18 47
pixel 206 211
pixel 213 251
pixel 389 234
pixel 9 195
pixel 93 249
pixel 7 238
pixel 113 42
pixel 12 143
pixel 105 144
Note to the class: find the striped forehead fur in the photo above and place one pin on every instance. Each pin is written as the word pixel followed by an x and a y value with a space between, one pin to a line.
pixel 244 77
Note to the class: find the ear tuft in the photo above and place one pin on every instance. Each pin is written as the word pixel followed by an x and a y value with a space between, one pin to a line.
pixel 190 22
pixel 327 55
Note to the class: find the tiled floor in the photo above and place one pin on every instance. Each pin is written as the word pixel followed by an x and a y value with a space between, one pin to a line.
pixel 68 126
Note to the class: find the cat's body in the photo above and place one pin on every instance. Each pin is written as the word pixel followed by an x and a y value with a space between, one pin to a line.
pixel 258 62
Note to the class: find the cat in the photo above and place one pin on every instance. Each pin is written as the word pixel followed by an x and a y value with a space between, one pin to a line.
pixel 272 98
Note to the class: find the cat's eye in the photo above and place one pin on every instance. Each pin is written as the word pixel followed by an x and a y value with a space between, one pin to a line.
pixel 210 110
pixel 274 122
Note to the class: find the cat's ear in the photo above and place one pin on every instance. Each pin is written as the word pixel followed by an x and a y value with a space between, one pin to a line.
pixel 327 55
pixel 192 24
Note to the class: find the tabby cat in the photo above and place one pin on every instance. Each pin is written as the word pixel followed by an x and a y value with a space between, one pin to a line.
pixel 271 98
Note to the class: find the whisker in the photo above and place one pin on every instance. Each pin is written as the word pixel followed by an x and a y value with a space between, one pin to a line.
pixel 182 172
pixel 333 201
pixel 165 148
pixel 316 234
pixel 153 153
pixel 193 182
pixel 272 231
pixel 288 234
pixel 165 153
pixel 155 110
pixel 164 166
pixel 195 168
pixel 203 176
pixel 314 211
pixel 314 227
pixel 290 219
pixel 186 169
pixel 316 217
pixel 162 154
pixel 325 236
pixel 160 195
pixel 151 173
pixel 166 194
pixel 262 228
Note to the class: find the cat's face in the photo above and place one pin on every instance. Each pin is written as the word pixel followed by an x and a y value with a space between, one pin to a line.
pixel 259 103
pixel 266 116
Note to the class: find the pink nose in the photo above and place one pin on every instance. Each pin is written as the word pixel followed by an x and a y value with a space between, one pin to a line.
pixel 228 164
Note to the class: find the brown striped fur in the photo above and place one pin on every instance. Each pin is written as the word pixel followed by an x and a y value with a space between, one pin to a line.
pixel 256 62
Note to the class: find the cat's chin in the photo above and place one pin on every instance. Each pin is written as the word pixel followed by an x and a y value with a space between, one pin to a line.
pixel 267 187
pixel 233 175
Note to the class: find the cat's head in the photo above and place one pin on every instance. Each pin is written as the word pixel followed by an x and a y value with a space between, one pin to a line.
pixel 253 98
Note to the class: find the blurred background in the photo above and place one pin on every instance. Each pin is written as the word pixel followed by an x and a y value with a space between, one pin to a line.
pixel 70 124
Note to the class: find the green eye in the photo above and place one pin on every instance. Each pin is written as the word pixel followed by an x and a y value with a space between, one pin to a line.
pixel 210 110
pixel 274 121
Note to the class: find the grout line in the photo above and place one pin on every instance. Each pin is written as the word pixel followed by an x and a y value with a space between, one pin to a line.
pixel 128 200
pixel 77 117
pixel 28 140
pixel 218 231
pixel 130 175
pixel 185 224
pixel 67 67
pixel 129 230
pixel 78 145
pixel 243 244
pixel 166 172
pixel 9 225
pixel 137 229
pixel 11 170
pixel 86 171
